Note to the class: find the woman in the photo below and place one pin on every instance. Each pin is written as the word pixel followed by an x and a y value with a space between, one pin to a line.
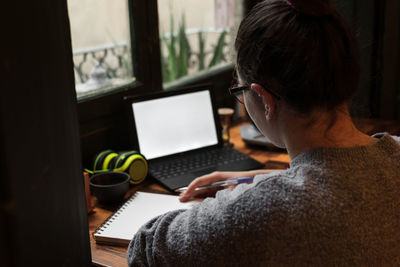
pixel 337 204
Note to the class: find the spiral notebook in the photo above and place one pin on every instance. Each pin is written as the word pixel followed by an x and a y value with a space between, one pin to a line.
pixel 120 227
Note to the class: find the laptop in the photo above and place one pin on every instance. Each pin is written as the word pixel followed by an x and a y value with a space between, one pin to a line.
pixel 179 133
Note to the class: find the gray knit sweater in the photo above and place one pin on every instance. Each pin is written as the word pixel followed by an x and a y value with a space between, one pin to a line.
pixel 332 207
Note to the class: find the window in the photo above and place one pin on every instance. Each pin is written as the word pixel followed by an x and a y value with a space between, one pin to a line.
pixel 100 32
pixel 196 36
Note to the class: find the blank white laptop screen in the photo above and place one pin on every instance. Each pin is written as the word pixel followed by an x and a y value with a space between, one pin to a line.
pixel 174 124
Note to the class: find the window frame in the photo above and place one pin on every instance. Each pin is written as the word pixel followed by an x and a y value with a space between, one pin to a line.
pixel 145 53
pixel 101 116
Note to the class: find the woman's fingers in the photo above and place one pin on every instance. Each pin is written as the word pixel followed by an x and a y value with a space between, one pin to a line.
pixel 203 180
pixel 202 193
pixel 191 191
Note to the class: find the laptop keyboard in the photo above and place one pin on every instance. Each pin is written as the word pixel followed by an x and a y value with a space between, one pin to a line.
pixel 208 158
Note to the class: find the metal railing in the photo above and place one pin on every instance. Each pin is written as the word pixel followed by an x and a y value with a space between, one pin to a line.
pixel 115 58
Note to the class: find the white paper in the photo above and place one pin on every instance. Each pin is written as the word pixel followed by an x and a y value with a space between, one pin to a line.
pixel 136 212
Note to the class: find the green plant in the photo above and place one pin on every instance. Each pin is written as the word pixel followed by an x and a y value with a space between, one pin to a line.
pixel 179 51
pixel 164 64
pixel 202 53
pixel 176 62
pixel 218 55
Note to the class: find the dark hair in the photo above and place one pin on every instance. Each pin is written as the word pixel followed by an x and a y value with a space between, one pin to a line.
pixel 302 50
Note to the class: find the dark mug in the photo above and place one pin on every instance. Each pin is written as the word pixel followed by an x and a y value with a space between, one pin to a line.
pixel 109 187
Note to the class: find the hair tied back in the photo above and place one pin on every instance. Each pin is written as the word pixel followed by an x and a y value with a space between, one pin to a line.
pixel 318 8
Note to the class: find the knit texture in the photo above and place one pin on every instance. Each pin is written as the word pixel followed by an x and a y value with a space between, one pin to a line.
pixel 332 207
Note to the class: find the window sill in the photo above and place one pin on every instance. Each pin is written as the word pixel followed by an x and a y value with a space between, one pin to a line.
pixel 107 91
pixel 199 77
pixel 102 90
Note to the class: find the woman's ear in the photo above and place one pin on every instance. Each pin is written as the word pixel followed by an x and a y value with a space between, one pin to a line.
pixel 270 102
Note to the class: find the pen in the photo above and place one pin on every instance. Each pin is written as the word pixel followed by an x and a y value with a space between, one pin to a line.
pixel 227 182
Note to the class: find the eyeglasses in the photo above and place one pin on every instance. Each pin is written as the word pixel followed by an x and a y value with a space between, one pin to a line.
pixel 237 92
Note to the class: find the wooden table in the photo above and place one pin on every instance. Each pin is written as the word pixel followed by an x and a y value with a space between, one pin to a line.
pixel 104 255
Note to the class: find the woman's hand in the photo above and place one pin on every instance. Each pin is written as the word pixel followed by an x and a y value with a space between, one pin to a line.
pixel 191 191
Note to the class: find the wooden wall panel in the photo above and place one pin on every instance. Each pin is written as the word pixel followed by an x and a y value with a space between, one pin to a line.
pixel 42 204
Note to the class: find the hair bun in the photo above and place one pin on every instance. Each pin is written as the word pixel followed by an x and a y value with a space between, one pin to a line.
pixel 317 8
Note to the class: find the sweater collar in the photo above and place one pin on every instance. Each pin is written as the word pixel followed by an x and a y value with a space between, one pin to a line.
pixel 349 155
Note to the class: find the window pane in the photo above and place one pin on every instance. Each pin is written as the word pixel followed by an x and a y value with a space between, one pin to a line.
pixel 196 36
pixel 101 45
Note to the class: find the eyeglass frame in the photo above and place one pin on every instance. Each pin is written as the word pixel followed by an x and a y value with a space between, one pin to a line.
pixel 234 89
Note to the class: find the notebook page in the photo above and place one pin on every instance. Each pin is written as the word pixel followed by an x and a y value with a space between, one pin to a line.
pixel 137 211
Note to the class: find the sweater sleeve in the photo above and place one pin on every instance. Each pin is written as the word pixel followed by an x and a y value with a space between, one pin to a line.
pixel 228 230
pixel 178 237
pixel 197 235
